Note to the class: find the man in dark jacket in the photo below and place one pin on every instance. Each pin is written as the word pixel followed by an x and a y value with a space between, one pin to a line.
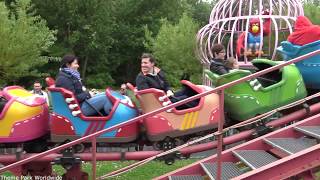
pixel 152 77
pixel 217 65
pixel 152 80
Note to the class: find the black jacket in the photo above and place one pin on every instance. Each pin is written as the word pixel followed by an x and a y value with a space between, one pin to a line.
pixel 71 83
pixel 152 81
pixel 216 66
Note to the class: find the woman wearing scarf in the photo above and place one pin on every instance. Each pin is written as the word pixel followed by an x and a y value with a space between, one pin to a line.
pixel 69 78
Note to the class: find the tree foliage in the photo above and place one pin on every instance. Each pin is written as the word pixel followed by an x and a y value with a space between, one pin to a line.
pixel 106 35
pixel 313 2
pixel 312 11
pixel 132 16
pixel 85 29
pixel 24 36
pixel 174 48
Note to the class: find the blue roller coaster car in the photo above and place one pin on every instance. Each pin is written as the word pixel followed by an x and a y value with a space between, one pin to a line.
pixel 310 67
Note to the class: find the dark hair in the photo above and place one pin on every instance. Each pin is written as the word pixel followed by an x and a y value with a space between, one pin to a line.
pixel 36 82
pixel 217 48
pixel 148 55
pixel 67 59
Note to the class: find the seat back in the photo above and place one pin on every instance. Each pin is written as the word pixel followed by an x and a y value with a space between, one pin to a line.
pixel 212 76
pixel 290 51
pixel 50 82
pixel 131 87
pixel 192 86
pixel 153 99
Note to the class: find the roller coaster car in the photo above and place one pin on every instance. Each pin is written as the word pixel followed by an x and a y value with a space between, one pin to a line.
pixel 173 123
pixel 257 96
pixel 310 67
pixel 68 122
pixel 24 116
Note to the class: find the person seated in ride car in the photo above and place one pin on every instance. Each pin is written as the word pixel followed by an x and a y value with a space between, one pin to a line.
pixel 217 64
pixel 123 89
pixel 69 78
pixel 37 90
pixel 231 63
pixel 153 77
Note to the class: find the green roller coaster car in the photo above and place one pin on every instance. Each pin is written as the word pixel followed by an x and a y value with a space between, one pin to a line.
pixel 260 95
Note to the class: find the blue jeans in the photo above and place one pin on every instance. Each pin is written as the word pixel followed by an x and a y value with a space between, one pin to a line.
pixel 99 102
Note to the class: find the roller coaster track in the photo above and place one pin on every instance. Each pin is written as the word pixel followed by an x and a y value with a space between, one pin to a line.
pixel 45 156
pixel 278 155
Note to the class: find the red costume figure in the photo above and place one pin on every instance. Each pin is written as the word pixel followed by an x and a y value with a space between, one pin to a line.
pixel 253 39
pixel 304 32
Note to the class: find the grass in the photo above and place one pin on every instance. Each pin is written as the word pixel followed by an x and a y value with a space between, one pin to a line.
pixel 6 174
pixel 145 172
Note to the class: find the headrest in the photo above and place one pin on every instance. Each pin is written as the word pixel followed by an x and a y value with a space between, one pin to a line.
pixel 131 87
pixel 212 76
pixel 50 82
pixel 288 48
pixel 109 94
pixel 192 86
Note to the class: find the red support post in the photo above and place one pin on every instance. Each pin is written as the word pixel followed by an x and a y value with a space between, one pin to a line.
pixel 75 173
pixel 94 157
pixel 307 175
pixel 220 131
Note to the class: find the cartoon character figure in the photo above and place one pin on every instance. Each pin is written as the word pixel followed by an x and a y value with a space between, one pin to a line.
pixel 253 38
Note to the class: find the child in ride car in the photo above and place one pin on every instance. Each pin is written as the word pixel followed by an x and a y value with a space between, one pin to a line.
pixel 231 63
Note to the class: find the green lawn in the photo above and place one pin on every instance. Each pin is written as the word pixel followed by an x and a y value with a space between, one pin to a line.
pixel 145 172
